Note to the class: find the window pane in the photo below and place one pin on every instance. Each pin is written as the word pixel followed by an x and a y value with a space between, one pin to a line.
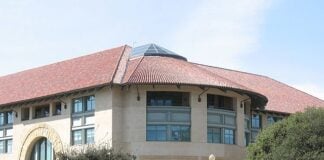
pixel 77 105
pixel 9 146
pixel 167 99
pixel 76 121
pixel 228 136
pixel 180 117
pixel 246 139
pixel 9 132
pixel 89 136
pixel 229 120
pixel 2 118
pixel 215 118
pixel 9 118
pixel 156 133
pixel 1 133
pixel 180 133
pixel 2 146
pixel 77 137
pixel 256 122
pixel 58 108
pixel 90 103
pixel 156 116
pixel 42 111
pixel 89 120
pixel 214 135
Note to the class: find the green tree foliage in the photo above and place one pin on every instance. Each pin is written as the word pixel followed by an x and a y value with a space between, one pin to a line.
pixel 298 137
pixel 94 153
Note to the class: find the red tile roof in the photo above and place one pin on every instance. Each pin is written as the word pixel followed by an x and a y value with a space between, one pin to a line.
pixel 282 98
pixel 87 71
pixel 114 66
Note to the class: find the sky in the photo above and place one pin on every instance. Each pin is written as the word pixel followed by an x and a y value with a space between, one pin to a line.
pixel 282 39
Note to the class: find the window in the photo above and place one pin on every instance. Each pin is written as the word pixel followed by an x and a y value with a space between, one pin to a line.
pixel 90 103
pixel 156 132
pixel 83 120
pixel 228 136
pixel 6 121
pixel 84 104
pixel 24 114
pixel 78 107
pixel 214 135
pixel 221 126
pixel 180 133
pixel 77 137
pixel 9 132
pixel 6 146
pixel 219 102
pixel 168 133
pixel 168 117
pixel 246 138
pixel 9 118
pixel 76 121
pixel 273 119
pixel 89 136
pixel 41 111
pixel 256 121
pixel 9 146
pixel 2 119
pixel 57 108
pixel 167 99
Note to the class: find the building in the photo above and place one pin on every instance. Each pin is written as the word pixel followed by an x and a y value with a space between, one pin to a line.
pixel 147 101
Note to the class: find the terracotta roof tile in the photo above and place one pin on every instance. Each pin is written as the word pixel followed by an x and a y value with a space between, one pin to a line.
pixel 282 98
pixel 78 73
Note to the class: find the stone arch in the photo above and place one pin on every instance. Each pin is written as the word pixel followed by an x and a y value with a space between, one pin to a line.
pixel 36 133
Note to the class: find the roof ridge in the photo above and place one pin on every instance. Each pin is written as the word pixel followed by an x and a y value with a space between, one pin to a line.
pixel 61 61
pixel 117 65
pixel 133 70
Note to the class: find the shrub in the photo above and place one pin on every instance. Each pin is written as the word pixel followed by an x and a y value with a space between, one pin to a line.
pixel 300 136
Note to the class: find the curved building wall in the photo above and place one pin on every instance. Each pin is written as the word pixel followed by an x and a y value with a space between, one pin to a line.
pixel 129 129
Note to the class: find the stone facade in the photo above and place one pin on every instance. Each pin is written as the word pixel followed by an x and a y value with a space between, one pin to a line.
pixel 120 120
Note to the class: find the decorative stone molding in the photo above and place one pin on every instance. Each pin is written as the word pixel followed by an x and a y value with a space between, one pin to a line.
pixel 33 135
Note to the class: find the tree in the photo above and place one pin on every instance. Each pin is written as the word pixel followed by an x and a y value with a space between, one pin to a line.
pixel 94 153
pixel 300 136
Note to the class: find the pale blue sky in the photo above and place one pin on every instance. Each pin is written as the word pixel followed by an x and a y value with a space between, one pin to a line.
pixel 283 39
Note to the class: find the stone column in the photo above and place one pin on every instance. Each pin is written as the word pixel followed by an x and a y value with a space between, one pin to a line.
pixel 240 130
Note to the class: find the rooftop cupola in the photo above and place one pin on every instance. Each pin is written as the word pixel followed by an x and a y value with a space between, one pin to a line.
pixel 154 50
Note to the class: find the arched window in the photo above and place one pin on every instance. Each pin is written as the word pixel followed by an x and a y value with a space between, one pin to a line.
pixel 42 150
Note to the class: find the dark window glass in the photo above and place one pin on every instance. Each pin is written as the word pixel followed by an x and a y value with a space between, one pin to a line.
pixel 256 121
pixel 229 136
pixel 90 103
pixel 77 137
pixel 25 114
pixel 247 138
pixel 219 102
pixel 41 111
pixel 42 150
pixel 167 99
pixel 9 117
pixel 89 136
pixel 156 133
pixel 214 135
pixel 2 118
pixel 58 108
